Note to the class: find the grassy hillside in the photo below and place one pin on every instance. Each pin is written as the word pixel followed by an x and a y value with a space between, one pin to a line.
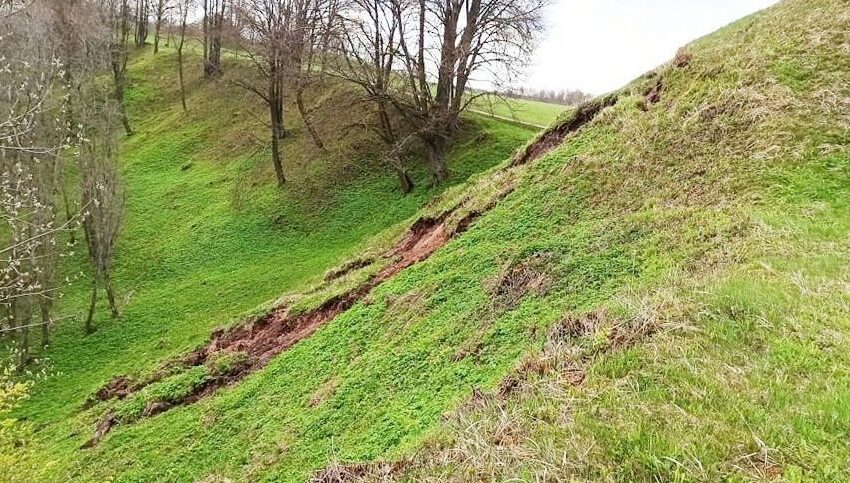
pixel 660 295
pixel 208 237
pixel 724 355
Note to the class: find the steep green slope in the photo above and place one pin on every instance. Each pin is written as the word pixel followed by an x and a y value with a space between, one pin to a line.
pixel 731 363
pixel 208 237
pixel 677 270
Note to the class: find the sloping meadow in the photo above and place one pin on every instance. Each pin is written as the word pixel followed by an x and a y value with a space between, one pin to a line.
pixel 726 357
pixel 207 238
pixel 660 293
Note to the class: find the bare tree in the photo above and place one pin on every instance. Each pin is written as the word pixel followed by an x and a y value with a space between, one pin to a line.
pixel 368 58
pixel 280 35
pixel 101 194
pixel 439 46
pixel 213 25
pixel 161 12
pixel 183 9
pixel 98 113
pixel 88 52
pixel 309 46
pixel 267 21
pixel 142 13
pixel 116 15
pixel 54 108
pixel 32 135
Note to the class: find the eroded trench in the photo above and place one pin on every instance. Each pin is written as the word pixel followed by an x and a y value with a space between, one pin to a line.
pixel 276 331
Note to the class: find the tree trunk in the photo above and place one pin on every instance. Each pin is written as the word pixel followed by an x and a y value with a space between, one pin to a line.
pixel 404 181
pixel 206 33
pixel 68 215
pixel 118 77
pixel 156 35
pixel 276 160
pixel 141 22
pixel 213 19
pixel 308 122
pixel 110 296
pixel 92 304
pixel 45 323
pixel 119 96
pixel 180 70
pixel 437 158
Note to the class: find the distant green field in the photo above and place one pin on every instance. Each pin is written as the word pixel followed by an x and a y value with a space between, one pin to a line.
pixel 521 110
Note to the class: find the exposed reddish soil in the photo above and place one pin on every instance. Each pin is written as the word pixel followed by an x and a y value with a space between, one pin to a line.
pixel 109 420
pixel 347 268
pixel 119 387
pixel 277 331
pixel 554 137
pixel 654 94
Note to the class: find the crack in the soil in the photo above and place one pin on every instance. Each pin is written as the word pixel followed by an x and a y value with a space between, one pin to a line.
pixel 277 330
pixel 553 138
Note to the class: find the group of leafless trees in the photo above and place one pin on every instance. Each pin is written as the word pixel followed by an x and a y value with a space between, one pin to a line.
pixel 413 62
pixel 417 59
pixel 63 76
pixel 62 68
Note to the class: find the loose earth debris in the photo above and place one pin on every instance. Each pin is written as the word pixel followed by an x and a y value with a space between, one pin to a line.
pixel 351 472
pixel 555 136
pixel 119 387
pixel 654 94
pixel 277 331
pixel 349 267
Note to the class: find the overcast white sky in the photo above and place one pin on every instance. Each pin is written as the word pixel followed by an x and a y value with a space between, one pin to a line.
pixel 600 45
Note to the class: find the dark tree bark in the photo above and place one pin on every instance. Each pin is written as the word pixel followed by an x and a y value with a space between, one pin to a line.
pixel 161 9
pixel 275 103
pixel 142 9
pixel 180 73
pixel 110 296
pixel 92 305
pixel 404 180
pixel 119 73
pixel 69 215
pixel 438 46
pixel 45 323
pixel 437 147
pixel 118 58
pixel 213 24
pixel 184 14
